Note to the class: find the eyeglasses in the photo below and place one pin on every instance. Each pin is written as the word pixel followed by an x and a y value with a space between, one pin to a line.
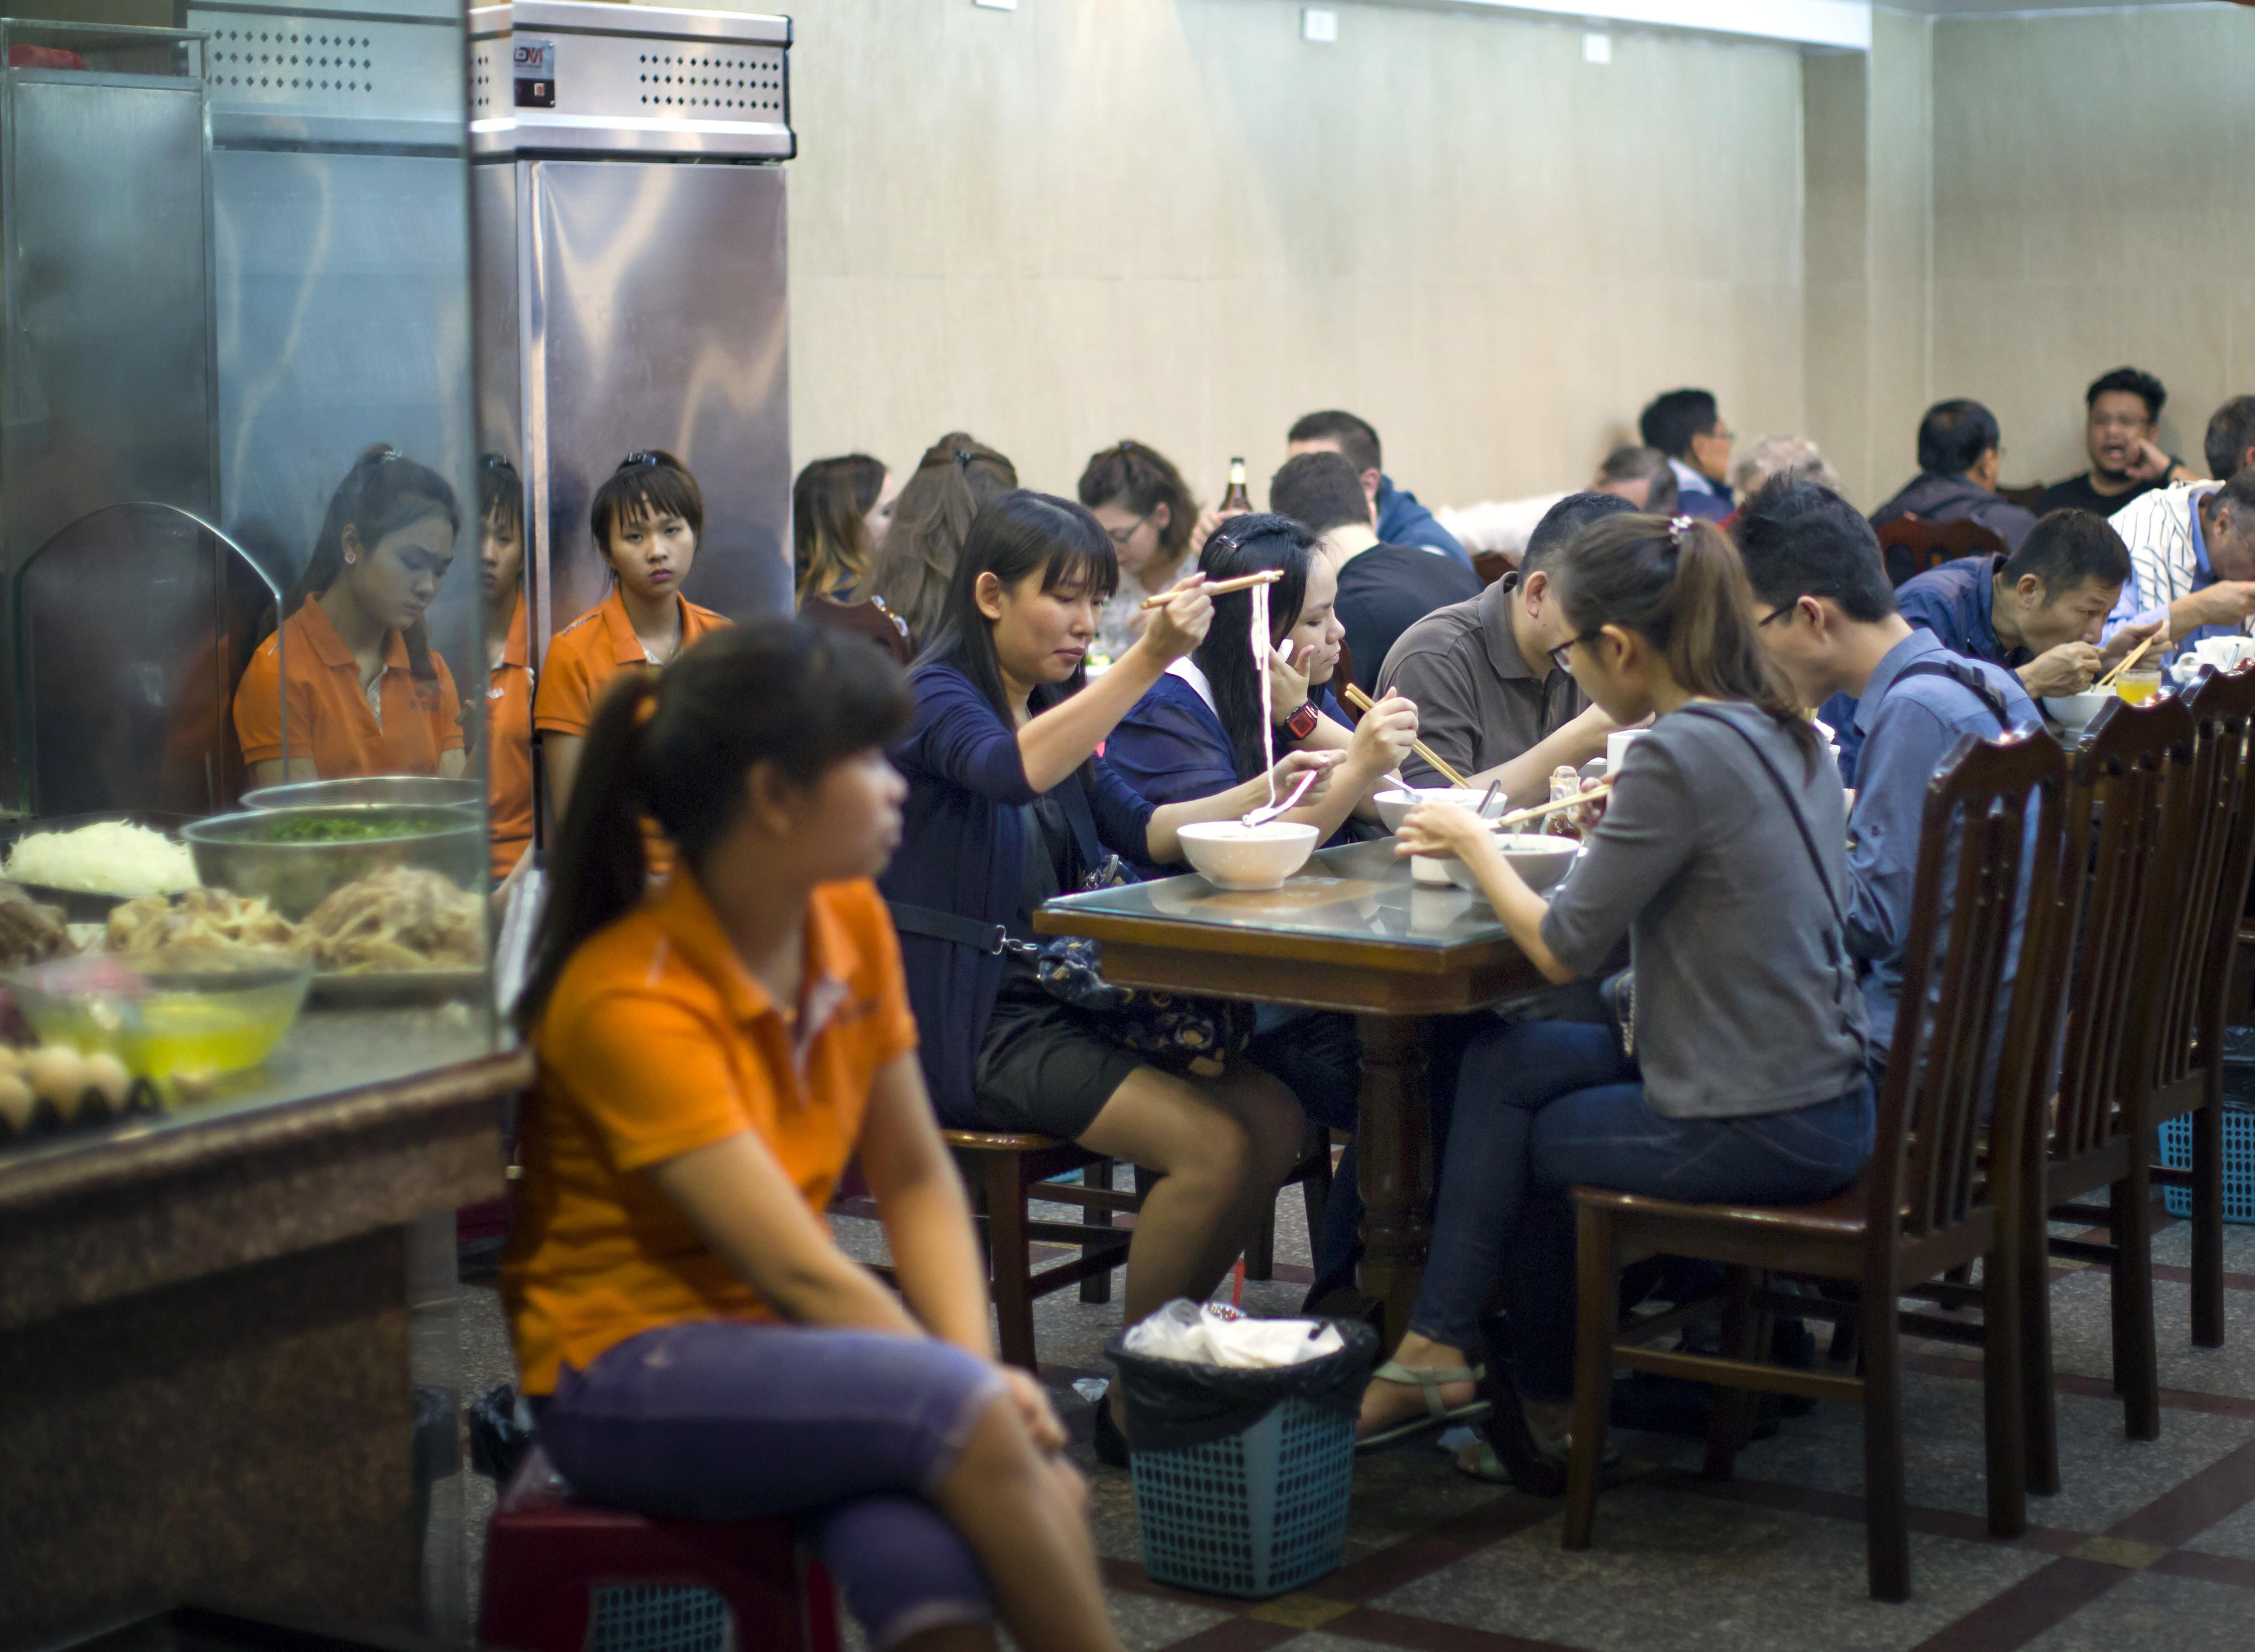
pixel 1775 614
pixel 1558 654
pixel 1121 536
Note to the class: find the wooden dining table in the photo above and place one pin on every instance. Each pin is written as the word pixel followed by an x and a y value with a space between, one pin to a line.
pixel 1350 931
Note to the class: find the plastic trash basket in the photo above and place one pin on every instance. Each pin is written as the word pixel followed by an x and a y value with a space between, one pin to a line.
pixel 1255 1515
pixel 2239 1164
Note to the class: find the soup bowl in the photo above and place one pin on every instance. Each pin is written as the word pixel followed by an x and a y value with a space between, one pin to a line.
pixel 1232 855
pixel 1538 857
pixel 1393 806
pixel 2073 712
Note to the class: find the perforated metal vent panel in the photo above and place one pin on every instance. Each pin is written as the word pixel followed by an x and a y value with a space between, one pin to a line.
pixel 317 67
pixel 551 89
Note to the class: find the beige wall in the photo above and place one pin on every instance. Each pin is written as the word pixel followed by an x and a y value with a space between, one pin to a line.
pixel 2093 205
pixel 1174 219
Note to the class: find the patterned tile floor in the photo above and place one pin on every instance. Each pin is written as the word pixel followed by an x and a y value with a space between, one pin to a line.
pixel 2149 1546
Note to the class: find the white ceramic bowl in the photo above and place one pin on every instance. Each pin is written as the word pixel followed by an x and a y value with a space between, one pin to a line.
pixel 2076 711
pixel 1538 857
pixel 1393 806
pixel 1233 855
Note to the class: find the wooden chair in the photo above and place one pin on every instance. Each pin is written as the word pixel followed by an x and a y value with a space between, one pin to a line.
pixel 1313 1176
pixel 1912 546
pixel 1492 566
pixel 1923 1205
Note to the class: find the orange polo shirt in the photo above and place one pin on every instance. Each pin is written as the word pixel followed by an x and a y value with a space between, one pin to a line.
pixel 584 656
pixel 329 717
pixel 657 1042
pixel 509 749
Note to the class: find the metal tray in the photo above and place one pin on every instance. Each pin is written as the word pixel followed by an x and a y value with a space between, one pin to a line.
pixel 385 987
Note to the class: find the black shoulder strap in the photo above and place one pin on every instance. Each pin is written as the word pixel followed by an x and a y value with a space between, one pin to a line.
pixel 1962 673
pixel 1844 975
pixel 1072 798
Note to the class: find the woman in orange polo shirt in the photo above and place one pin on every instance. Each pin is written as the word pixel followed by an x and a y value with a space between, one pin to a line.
pixel 647 518
pixel 691 1341
pixel 365 695
pixel 509 663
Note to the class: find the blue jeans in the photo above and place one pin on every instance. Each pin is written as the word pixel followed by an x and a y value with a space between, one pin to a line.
pixel 846 1433
pixel 1545 1105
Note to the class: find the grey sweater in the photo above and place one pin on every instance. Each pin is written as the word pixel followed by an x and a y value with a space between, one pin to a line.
pixel 1746 999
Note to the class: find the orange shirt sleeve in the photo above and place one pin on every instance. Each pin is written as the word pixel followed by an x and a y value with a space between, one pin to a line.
pixel 886 981
pixel 258 708
pixel 446 715
pixel 564 701
pixel 650 1075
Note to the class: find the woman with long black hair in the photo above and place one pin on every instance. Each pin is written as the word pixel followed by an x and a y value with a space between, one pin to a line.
pixel 1721 856
pixel 693 1340
pixel 1009 805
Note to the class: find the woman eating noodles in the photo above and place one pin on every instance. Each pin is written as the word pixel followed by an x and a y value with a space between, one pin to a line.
pixel 692 1341
pixel 1197 729
pixel 1009 805
pixel 1721 855
pixel 365 695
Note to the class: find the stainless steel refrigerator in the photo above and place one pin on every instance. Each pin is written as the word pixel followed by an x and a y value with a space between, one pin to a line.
pixel 626 210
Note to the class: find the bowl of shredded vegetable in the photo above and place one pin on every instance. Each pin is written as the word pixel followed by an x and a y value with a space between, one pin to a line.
pixel 295 857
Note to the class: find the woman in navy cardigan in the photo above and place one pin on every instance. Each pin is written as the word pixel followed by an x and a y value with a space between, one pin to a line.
pixel 1009 804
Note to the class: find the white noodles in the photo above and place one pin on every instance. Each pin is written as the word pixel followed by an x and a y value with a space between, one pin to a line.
pixel 108 858
pixel 1260 649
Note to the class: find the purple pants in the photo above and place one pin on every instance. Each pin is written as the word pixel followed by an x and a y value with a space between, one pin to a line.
pixel 847 1433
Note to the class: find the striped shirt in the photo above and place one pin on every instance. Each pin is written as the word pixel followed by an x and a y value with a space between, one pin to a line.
pixel 2168 558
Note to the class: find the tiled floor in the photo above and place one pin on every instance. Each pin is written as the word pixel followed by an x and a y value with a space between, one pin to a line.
pixel 2149 1546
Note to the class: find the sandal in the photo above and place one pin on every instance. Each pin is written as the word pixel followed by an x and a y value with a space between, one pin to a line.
pixel 1428 1380
pixel 1511 1453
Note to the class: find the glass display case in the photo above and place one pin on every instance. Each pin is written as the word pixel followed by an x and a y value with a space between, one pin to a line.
pixel 243 645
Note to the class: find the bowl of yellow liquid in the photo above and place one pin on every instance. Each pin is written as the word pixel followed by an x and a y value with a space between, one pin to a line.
pixel 177 1012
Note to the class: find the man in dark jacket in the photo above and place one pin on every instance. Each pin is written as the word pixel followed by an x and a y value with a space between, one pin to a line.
pixel 1402 520
pixel 1958 453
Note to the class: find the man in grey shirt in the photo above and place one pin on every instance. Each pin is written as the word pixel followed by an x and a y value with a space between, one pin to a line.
pixel 1489 703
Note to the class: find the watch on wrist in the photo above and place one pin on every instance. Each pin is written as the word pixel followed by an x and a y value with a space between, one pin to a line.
pixel 1301 723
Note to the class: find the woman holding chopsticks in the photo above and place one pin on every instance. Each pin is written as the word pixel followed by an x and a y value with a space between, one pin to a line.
pixel 1721 856
pixel 1197 730
pixel 1009 805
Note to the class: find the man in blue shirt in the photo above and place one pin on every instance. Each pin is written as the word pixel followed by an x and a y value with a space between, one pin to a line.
pixel 1826 618
pixel 1687 426
pixel 1400 519
pixel 2036 612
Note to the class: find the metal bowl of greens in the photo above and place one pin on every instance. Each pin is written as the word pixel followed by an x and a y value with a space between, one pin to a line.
pixel 295 857
pixel 426 791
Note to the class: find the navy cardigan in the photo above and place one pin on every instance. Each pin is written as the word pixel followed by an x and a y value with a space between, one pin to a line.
pixel 963 851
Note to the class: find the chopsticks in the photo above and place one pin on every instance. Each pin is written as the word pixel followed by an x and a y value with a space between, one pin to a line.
pixel 2128 660
pixel 1220 587
pixel 1360 701
pixel 1554 806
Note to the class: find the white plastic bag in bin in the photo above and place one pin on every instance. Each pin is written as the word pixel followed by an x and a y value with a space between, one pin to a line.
pixel 1212 1334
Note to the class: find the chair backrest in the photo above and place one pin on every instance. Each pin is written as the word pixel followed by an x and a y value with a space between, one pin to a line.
pixel 869 618
pixel 1490 566
pixel 2199 923
pixel 1992 836
pixel 1912 546
pixel 2134 765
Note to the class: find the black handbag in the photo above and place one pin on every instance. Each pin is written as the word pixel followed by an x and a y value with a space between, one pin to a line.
pixel 1177 1031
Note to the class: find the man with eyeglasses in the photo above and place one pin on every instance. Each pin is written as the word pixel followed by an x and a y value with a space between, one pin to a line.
pixel 2121 411
pixel 1829 620
pixel 1687 427
pixel 1493 702
pixel 1960 451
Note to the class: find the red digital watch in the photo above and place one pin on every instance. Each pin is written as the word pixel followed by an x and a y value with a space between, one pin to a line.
pixel 1301 723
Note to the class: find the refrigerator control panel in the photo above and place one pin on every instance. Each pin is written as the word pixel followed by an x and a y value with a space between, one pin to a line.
pixel 558 77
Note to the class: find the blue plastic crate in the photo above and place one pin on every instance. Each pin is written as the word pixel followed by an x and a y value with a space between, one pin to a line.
pixel 1252 1515
pixel 2239 1164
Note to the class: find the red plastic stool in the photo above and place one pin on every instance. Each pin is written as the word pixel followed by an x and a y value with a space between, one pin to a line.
pixel 546 1555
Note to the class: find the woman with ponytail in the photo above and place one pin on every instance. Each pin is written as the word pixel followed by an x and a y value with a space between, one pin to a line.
pixel 691 1341
pixel 366 695
pixel 1721 857
pixel 915 562
pixel 1009 804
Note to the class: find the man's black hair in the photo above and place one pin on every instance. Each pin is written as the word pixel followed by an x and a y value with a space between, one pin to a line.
pixel 2068 548
pixel 1562 523
pixel 1319 490
pixel 2230 433
pixel 1798 539
pixel 1673 419
pixel 1356 439
pixel 2139 383
pixel 1953 435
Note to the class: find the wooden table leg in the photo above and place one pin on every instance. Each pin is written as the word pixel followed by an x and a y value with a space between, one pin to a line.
pixel 1395 1161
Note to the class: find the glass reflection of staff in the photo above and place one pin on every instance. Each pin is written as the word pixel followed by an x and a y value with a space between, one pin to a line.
pixel 367 696
pixel 508 662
